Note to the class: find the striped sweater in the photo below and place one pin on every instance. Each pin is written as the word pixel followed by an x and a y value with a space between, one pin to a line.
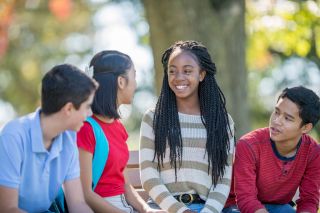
pixel 193 175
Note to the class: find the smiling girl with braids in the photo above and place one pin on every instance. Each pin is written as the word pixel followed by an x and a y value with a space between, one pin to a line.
pixel 187 142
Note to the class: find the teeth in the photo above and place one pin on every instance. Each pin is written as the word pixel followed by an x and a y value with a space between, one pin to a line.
pixel 180 87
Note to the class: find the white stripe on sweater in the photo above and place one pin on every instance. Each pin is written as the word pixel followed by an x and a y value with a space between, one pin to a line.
pixel 189 154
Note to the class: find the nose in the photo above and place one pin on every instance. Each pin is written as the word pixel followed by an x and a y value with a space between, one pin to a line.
pixel 277 120
pixel 179 76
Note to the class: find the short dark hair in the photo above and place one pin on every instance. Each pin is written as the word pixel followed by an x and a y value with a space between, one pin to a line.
pixel 62 84
pixel 307 102
pixel 107 66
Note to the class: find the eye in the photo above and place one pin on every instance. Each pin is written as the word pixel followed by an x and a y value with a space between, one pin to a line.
pixel 187 71
pixel 171 72
pixel 288 118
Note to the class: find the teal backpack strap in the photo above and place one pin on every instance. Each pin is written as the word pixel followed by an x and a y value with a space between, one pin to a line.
pixel 101 152
pixel 99 161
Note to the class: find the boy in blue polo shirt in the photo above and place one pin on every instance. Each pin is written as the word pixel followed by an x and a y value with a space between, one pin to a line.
pixel 38 152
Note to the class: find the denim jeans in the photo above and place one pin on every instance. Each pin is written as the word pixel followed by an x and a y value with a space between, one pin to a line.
pixel 272 208
pixel 197 207
pixel 279 208
pixel 231 209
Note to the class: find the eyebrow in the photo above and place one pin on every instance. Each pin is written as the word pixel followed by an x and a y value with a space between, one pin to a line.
pixel 188 65
pixel 291 116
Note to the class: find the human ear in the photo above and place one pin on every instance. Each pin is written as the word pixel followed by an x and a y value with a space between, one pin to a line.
pixel 121 82
pixel 68 108
pixel 307 128
pixel 202 75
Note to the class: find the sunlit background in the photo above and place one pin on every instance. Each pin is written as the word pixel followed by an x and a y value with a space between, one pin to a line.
pixel 282 49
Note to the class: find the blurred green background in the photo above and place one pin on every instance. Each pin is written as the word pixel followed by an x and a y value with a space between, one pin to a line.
pixel 259 46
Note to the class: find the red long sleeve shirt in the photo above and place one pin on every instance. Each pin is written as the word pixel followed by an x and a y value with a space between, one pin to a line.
pixel 262 176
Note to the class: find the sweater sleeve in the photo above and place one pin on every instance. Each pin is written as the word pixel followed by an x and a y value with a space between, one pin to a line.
pixel 219 194
pixel 309 187
pixel 150 176
pixel 245 178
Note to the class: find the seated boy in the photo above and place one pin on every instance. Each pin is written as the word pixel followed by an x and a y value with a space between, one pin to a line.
pixel 38 152
pixel 272 163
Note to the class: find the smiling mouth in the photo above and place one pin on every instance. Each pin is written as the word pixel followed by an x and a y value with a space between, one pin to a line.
pixel 181 87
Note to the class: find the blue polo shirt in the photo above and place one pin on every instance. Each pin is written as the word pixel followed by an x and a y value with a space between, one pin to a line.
pixel 27 166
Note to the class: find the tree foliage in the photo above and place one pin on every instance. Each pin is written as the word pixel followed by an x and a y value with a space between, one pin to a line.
pixel 283 49
pixel 36 41
pixel 282 29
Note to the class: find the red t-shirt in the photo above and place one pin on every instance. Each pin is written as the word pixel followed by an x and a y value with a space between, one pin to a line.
pixel 261 175
pixel 112 180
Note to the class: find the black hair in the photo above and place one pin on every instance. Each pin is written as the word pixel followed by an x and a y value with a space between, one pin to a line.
pixel 213 111
pixel 107 66
pixel 62 84
pixel 307 102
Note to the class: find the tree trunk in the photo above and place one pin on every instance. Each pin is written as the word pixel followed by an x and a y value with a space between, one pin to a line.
pixel 220 27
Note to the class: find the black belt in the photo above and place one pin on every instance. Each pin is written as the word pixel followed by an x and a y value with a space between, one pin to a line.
pixel 189 198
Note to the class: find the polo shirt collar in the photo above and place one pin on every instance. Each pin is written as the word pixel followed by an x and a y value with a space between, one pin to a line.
pixel 37 139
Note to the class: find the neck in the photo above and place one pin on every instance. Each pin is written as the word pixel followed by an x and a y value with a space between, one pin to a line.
pixel 287 149
pixel 189 107
pixel 51 127
pixel 104 119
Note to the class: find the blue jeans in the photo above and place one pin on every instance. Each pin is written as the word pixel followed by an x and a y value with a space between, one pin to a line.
pixel 197 207
pixel 231 209
pixel 279 208
pixel 272 208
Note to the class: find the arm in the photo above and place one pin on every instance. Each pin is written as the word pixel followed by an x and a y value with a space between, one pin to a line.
pixel 150 177
pixel 309 187
pixel 134 199
pixel 10 166
pixel 218 195
pixel 74 196
pixel 9 200
pixel 97 203
pixel 245 179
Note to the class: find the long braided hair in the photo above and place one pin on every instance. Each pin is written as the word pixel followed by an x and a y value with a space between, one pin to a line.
pixel 213 112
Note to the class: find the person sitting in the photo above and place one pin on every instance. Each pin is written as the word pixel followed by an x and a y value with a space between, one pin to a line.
pixel 272 163
pixel 38 151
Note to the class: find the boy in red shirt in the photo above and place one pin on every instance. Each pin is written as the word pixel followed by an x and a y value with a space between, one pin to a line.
pixel 272 163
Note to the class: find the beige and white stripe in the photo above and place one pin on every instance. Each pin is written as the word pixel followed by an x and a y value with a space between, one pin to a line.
pixel 193 175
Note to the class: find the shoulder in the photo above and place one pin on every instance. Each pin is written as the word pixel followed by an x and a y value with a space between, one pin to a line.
pixel 19 125
pixel 231 122
pixel 117 122
pixel 311 145
pixel 85 128
pixel 118 125
pixel 148 116
pixel 308 140
pixel 19 129
pixel 256 137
